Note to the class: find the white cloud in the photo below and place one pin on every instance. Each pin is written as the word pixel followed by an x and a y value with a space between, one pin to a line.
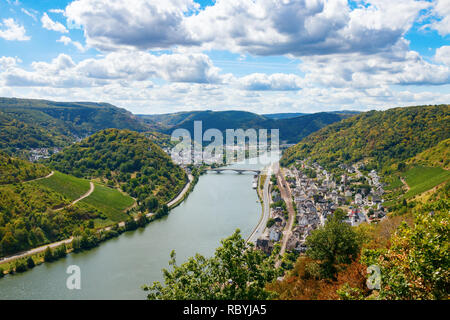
pixel 112 24
pixel 60 11
pixel 31 13
pixel 8 62
pixel 441 11
pixel 49 24
pixel 443 55
pixel 141 65
pixel 10 30
pixel 400 67
pixel 76 44
pixel 277 81
pixel 348 58
pixel 261 27
pixel 120 67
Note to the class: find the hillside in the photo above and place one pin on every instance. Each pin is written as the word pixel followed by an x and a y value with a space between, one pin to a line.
pixel 285 115
pixel 379 137
pixel 437 156
pixel 292 129
pixel 411 250
pixel 29 123
pixel 13 170
pixel 289 115
pixel 417 175
pixel 37 208
pixel 124 159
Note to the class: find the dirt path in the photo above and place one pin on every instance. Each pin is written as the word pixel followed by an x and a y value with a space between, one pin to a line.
pixel 67 241
pixel 134 205
pixel 47 176
pixel 404 183
pixel 87 194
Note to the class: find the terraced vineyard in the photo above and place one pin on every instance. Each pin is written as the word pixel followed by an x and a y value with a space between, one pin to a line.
pixel 421 179
pixel 111 202
pixel 69 186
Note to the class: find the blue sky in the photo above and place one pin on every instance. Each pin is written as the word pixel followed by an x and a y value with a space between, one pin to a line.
pixel 260 56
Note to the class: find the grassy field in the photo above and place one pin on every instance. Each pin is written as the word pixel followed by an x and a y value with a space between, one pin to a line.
pixel 421 179
pixel 110 201
pixel 69 186
pixel 393 182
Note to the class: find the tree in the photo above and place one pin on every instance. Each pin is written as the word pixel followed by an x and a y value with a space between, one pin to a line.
pixel 48 255
pixel 236 271
pixel 30 262
pixel 20 265
pixel 151 203
pixel 162 211
pixel 335 243
pixel 270 222
pixel 417 264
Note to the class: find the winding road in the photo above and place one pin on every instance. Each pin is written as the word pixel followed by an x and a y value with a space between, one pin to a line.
pixel 47 176
pixel 67 241
pixel 182 193
pixel 87 194
pixel 259 229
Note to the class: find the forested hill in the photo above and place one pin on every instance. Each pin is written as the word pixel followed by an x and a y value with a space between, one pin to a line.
pixel 127 159
pixel 14 170
pixel 437 156
pixel 30 123
pixel 383 137
pixel 292 129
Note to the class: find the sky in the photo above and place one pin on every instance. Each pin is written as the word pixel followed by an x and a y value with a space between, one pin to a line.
pixel 263 56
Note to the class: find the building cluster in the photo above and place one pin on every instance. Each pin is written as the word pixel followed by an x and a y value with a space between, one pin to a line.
pixel 317 194
pixel 42 153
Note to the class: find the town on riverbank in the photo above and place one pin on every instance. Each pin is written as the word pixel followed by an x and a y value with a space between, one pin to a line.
pixel 305 195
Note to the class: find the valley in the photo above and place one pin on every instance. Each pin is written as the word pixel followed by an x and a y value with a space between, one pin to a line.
pixel 68 202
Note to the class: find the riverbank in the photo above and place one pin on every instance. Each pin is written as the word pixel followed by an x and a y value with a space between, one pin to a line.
pixel 261 226
pixel 217 206
pixel 184 193
pixel 8 264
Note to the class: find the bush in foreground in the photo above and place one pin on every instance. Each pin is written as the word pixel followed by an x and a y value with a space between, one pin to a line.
pixel 236 271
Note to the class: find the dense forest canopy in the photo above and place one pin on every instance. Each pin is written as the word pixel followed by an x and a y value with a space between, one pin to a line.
pixel 13 170
pixel 127 159
pixel 383 137
pixel 437 156
pixel 28 216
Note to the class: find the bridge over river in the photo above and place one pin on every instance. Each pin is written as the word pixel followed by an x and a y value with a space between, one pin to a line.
pixel 240 171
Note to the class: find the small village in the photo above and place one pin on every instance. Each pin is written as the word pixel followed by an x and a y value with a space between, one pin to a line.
pixel 37 154
pixel 316 194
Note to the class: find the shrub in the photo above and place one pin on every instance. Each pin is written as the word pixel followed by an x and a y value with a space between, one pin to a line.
pixel 48 255
pixel 20 266
pixel 30 262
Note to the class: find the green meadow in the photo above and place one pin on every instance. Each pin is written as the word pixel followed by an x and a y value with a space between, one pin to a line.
pixel 421 179
pixel 110 201
pixel 69 186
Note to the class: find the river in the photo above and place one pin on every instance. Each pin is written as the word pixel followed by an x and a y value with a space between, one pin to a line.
pixel 218 205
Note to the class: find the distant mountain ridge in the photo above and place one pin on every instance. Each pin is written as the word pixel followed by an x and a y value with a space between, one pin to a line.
pixel 46 123
pixel 288 115
pixel 292 129
pixel 32 123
